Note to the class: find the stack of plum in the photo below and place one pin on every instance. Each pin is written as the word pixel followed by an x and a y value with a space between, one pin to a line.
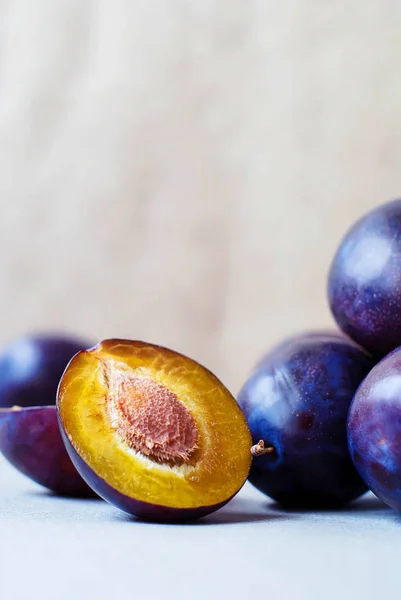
pixel 328 405
pixel 159 436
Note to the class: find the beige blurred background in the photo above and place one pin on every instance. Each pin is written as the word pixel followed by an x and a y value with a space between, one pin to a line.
pixel 182 172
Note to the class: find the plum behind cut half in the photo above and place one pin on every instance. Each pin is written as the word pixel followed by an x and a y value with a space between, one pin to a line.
pixel 30 438
pixel 296 402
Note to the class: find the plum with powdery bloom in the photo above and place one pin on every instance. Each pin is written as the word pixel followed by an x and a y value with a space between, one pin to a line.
pixel 374 430
pixel 364 286
pixel 296 401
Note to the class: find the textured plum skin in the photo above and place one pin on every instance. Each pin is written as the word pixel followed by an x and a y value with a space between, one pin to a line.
pixel 30 440
pixel 374 430
pixel 364 286
pixel 31 368
pixel 145 511
pixel 297 400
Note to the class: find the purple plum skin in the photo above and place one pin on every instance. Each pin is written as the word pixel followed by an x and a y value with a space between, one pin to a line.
pixel 364 286
pixel 145 511
pixel 374 430
pixel 31 368
pixel 297 400
pixel 30 440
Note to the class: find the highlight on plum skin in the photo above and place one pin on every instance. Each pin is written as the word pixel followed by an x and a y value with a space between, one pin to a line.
pixel 296 402
pixel 152 431
pixel 31 367
pixel 364 284
pixel 30 439
pixel 374 430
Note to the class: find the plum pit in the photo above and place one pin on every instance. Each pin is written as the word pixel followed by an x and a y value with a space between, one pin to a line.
pixel 150 418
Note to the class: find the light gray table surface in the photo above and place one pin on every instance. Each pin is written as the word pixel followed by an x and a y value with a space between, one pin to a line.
pixel 56 548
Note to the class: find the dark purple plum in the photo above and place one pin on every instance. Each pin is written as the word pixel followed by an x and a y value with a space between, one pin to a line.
pixel 30 370
pixel 30 440
pixel 374 430
pixel 364 286
pixel 296 400
pixel 31 367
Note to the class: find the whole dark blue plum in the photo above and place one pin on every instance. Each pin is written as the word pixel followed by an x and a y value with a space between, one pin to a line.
pixel 296 400
pixel 364 286
pixel 374 430
pixel 31 368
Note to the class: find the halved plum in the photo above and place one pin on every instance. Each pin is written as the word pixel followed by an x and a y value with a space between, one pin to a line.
pixel 152 431
pixel 30 440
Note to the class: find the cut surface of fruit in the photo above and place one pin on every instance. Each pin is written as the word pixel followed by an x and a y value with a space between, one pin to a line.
pixel 153 426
